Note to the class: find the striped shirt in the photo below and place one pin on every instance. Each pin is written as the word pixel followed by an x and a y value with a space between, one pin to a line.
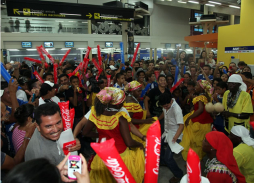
pixel 18 138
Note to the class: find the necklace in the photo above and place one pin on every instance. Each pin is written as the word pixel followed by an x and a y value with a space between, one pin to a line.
pixel 111 109
pixel 133 97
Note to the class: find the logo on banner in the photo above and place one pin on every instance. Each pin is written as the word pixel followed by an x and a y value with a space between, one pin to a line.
pixel 26 11
pixel 97 16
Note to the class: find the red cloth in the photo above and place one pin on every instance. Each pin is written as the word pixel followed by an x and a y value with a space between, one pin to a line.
pixel 203 118
pixel 215 177
pixel 116 135
pixel 224 154
pixel 137 115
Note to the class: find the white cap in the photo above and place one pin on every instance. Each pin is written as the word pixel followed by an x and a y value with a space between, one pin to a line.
pixel 161 62
pixel 112 67
pixel 1 93
pixel 12 62
pixel 49 83
pixel 244 133
pixel 236 78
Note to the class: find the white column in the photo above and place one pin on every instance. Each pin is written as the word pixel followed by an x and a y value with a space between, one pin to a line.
pixel 125 39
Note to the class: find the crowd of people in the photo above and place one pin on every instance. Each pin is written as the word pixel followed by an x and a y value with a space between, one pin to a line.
pixel 122 103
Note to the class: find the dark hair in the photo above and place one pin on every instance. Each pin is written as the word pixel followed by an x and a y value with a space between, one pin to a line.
pixel 63 75
pixel 233 63
pixel 188 74
pixel 37 170
pixel 190 55
pixel 23 112
pixel 172 66
pixel 148 75
pixel 127 64
pixel 118 75
pixel 165 98
pixel 241 63
pixel 225 66
pixel 47 74
pixel 25 66
pixel 66 69
pixel 194 68
pixel 45 88
pixel 99 107
pixel 27 73
pixel 162 76
pixel 217 79
pixel 128 69
pixel 141 71
pixel 208 66
pixel 202 54
pixel 191 83
pixel 138 63
pixel 150 62
pixel 73 77
pixel 22 80
pixel 47 109
pixel 171 76
pixel 181 53
pixel 247 75
pixel 222 85
pixel 31 83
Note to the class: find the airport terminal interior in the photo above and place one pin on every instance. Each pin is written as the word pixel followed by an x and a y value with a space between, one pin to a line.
pixel 127 91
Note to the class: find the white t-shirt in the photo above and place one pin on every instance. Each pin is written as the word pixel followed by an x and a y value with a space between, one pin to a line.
pixel 21 95
pixel 173 118
pixel 122 109
pixel 53 99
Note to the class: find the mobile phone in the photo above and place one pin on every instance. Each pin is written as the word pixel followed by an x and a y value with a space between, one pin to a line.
pixel 74 165
pixel 221 63
pixel 33 99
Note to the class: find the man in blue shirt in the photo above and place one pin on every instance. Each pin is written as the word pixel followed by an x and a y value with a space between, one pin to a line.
pixel 207 70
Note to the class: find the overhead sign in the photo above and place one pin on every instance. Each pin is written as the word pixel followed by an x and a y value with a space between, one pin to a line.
pixel 26 44
pixel 240 49
pixel 48 9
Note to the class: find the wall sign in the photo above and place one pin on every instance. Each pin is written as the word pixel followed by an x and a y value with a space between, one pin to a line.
pixel 48 9
pixel 26 44
pixel 48 44
pixel 69 44
pixel 240 49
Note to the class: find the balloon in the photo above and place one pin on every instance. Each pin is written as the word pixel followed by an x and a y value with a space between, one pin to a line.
pixel 218 107
pixel 99 55
pixel 36 61
pixel 87 52
pixel 86 61
pixel 176 85
pixel 157 73
pixel 55 73
pixel 122 55
pixel 6 75
pixel 135 55
pixel 176 74
pixel 113 161
pixel 193 167
pixel 209 107
pixel 99 73
pixel 108 79
pixel 224 70
pixel 78 68
pixel 48 55
pixel 96 64
pixel 64 57
pixel 40 53
pixel 65 112
pixel 38 77
pixel 72 114
pixel 184 70
pixel 153 146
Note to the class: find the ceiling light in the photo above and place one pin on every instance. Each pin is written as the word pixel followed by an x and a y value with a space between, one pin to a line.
pixel 80 48
pixel 71 21
pixel 70 14
pixel 31 49
pixel 210 5
pixel 84 22
pixel 214 2
pixel 65 49
pixel 231 6
pixel 195 2
pixel 50 49
pixel 13 49
pixel 182 2
pixel 59 21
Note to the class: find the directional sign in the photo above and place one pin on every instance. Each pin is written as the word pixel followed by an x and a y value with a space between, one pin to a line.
pixel 48 9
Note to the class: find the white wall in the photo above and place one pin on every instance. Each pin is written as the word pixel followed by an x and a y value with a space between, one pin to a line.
pixel 168 25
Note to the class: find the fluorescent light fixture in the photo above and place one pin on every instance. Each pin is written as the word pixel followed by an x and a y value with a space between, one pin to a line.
pixel 71 14
pixel 214 2
pixel 13 49
pixel 80 48
pixel 181 2
pixel 30 49
pixel 50 49
pixel 59 21
pixel 210 5
pixel 84 22
pixel 65 48
pixel 231 6
pixel 194 2
pixel 71 21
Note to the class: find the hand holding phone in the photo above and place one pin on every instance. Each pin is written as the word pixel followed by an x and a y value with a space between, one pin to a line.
pixel 74 165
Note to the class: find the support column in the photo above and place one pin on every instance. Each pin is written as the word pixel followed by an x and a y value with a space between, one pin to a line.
pixel 89 27
pixel 232 19
pixel 151 54
pixel 125 39
pixel 205 10
pixel 155 54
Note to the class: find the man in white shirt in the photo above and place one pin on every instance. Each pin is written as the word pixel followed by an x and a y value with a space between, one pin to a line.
pixel 47 92
pixel 173 123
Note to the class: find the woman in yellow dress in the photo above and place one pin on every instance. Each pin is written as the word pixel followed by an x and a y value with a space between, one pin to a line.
pixel 198 121
pixel 134 89
pixel 111 122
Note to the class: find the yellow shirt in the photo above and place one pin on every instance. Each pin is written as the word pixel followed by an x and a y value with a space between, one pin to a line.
pixel 244 156
pixel 243 105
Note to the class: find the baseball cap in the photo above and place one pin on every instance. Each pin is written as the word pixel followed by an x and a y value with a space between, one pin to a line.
pixel 112 68
pixel 161 62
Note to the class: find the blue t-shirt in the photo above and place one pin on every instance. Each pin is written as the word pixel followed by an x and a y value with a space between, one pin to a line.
pixel 202 77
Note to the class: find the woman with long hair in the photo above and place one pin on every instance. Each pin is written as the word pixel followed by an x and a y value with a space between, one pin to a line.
pixel 198 121
pixel 202 59
pixel 111 122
